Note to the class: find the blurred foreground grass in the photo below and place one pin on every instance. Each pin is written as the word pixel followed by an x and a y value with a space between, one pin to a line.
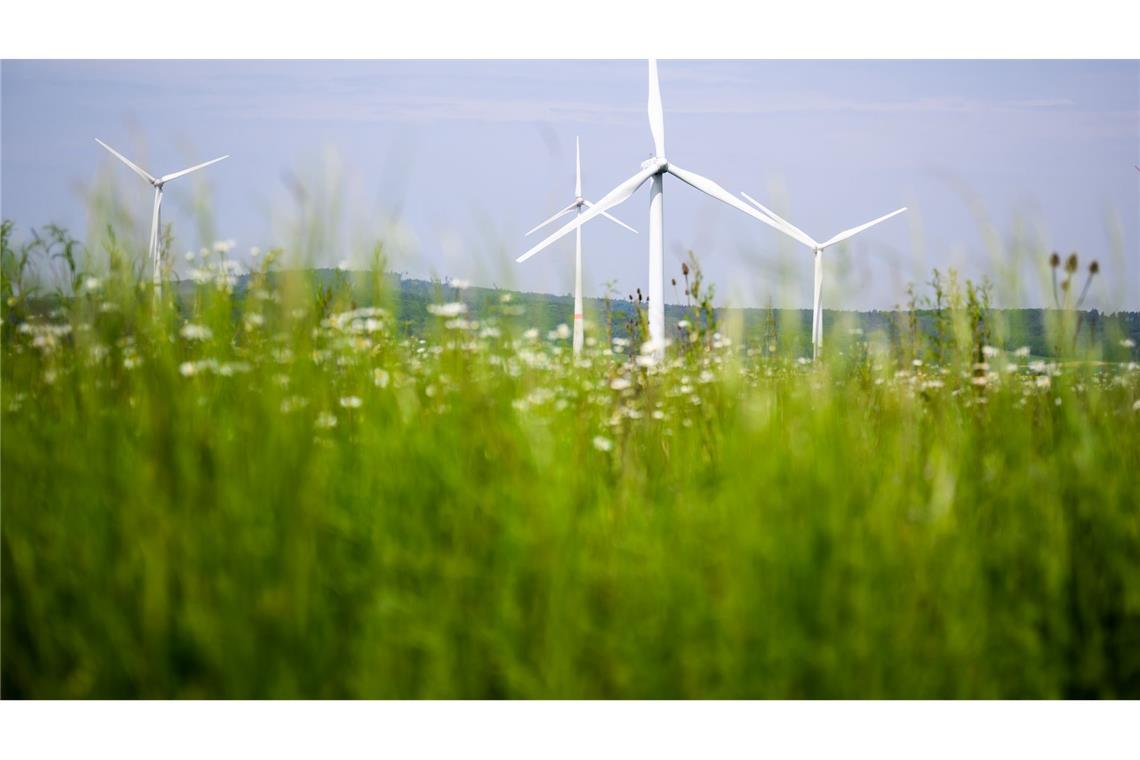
pixel 283 494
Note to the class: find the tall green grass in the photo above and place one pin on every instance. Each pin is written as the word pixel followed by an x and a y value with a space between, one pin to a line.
pixel 281 493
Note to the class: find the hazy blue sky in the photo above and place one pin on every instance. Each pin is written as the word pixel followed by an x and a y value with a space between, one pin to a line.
pixel 452 161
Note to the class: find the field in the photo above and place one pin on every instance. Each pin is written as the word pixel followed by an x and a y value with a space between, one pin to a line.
pixel 272 488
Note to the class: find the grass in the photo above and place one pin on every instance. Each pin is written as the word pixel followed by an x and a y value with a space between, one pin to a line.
pixel 286 495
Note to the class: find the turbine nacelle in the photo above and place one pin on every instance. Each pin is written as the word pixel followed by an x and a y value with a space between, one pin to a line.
pixel 654 162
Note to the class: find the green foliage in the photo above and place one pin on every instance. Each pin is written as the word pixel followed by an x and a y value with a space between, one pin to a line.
pixel 329 484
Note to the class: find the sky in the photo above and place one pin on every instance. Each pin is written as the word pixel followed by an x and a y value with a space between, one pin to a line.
pixel 451 162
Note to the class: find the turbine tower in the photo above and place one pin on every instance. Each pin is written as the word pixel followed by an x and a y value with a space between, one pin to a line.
pixel 817 252
pixel 157 183
pixel 655 169
pixel 577 205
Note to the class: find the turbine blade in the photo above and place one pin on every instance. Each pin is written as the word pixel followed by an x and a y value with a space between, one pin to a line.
pixel 792 230
pixel 707 186
pixel 609 200
pixel 613 219
pixel 577 168
pixel 656 115
pixel 176 175
pixel 559 215
pixel 856 230
pixel 137 169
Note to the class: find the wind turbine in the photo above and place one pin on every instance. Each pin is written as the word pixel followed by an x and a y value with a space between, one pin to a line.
pixel 577 205
pixel 817 250
pixel 654 168
pixel 157 183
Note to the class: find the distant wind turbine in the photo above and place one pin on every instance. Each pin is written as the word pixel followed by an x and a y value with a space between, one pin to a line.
pixel 654 168
pixel 157 183
pixel 817 250
pixel 577 205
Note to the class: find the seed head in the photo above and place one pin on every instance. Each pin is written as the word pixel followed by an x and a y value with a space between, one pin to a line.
pixel 1071 262
pixel 1055 260
pixel 1094 267
pixel 684 269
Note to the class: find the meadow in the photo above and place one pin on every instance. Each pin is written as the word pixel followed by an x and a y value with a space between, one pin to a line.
pixel 263 484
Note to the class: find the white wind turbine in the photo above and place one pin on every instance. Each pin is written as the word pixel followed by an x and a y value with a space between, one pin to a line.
pixel 655 168
pixel 157 183
pixel 577 205
pixel 817 250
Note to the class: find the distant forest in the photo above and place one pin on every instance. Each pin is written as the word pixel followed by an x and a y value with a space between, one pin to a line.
pixel 791 328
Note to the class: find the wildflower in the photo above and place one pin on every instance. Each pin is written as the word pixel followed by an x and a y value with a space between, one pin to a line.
pixel 562 332
pixel 505 298
pixel 917 362
pixel 602 443
pixel 1128 343
pixel 91 284
pixel 224 246
pixel 196 332
pixel 189 255
pixel 1044 381
pixel 254 252
pixel 187 369
pixel 293 403
pixel 380 378
pixel 351 402
pixel 343 265
pixel 325 421
pixel 620 383
pixel 228 369
pixel 1022 352
pixel 1136 405
pixel 460 284
pixel 531 334
pixel 990 352
pixel 658 414
pixel 684 324
pixel 449 310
